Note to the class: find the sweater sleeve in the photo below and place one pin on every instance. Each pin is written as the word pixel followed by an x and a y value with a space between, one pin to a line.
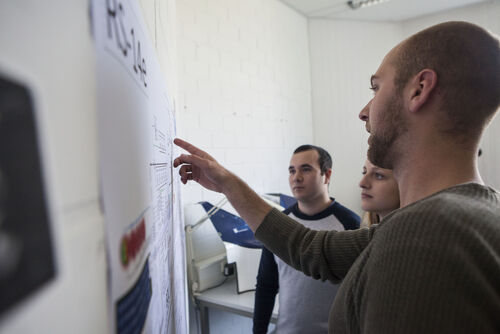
pixel 325 255
pixel 265 293
pixel 431 275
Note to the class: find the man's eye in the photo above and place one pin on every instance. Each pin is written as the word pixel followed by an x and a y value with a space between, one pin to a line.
pixel 379 176
pixel 291 171
pixel 374 88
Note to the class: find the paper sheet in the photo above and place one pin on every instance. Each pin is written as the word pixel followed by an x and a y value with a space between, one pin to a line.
pixel 136 126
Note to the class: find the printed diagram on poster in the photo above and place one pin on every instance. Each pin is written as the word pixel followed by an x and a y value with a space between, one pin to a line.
pixel 136 127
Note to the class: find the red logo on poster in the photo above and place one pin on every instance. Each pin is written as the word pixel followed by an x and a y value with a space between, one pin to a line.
pixel 132 242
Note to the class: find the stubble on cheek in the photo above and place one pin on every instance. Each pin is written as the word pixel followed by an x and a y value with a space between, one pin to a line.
pixel 390 127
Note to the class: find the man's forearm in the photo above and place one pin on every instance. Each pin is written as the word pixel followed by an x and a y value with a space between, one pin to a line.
pixel 199 166
pixel 247 203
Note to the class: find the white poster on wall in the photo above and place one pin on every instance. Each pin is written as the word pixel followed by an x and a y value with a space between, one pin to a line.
pixel 136 126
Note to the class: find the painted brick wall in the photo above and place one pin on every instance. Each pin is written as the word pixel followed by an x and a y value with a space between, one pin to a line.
pixel 244 96
pixel 244 87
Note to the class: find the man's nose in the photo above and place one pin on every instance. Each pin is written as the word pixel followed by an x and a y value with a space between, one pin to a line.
pixel 364 113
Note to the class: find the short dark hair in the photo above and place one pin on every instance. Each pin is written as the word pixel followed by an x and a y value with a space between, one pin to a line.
pixel 466 59
pixel 324 160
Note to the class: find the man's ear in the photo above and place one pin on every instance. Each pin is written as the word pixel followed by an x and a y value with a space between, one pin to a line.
pixel 328 174
pixel 422 87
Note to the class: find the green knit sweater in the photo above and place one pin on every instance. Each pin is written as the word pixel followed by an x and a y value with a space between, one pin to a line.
pixel 430 267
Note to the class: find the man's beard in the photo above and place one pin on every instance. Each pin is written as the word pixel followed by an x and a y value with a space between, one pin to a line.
pixel 382 151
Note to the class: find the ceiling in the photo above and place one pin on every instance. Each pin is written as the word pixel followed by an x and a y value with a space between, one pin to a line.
pixel 392 10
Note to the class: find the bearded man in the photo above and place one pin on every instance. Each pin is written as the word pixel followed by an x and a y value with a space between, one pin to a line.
pixel 432 266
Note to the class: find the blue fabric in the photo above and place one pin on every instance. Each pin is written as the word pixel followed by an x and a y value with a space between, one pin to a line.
pixel 268 278
pixel 287 201
pixel 349 219
pixel 266 291
pixel 232 228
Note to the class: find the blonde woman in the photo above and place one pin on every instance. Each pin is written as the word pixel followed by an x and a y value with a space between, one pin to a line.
pixel 379 194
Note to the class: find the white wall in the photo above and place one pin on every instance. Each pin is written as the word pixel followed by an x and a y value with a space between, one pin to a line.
pixel 344 54
pixel 31 35
pixel 486 15
pixel 245 96
pixel 48 45
pixel 244 87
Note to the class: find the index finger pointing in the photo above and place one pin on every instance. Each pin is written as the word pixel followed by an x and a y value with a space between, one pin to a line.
pixel 190 148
